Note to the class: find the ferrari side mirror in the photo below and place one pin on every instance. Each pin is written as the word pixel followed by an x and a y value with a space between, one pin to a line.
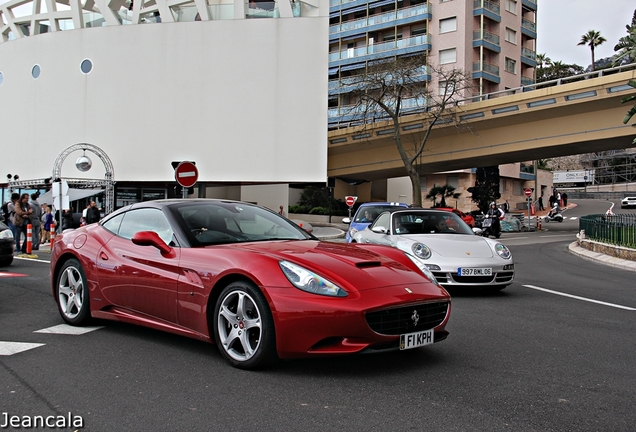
pixel 151 238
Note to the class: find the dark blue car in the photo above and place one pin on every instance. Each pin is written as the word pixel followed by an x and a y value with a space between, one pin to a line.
pixel 365 214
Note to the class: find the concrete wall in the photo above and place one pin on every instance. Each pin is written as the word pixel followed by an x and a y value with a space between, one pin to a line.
pixel 245 99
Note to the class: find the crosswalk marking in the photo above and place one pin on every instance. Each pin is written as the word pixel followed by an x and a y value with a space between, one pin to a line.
pixel 66 329
pixel 10 348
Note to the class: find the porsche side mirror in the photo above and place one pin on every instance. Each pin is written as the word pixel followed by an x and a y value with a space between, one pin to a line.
pixel 379 230
pixel 346 220
pixel 478 231
pixel 151 238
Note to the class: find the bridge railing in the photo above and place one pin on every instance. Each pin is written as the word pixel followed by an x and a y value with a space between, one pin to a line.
pixel 339 123
pixel 619 230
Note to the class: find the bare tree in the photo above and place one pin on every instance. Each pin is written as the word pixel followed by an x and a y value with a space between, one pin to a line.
pixel 393 88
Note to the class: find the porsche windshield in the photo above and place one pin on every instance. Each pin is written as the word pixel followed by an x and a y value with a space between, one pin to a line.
pixel 231 222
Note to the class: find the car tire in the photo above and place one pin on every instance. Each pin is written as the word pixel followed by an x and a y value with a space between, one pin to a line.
pixel 6 262
pixel 244 327
pixel 71 293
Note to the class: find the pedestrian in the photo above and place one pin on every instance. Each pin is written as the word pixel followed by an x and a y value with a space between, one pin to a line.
pixel 85 211
pixel 564 197
pixel 67 219
pixel 15 197
pixel 48 221
pixel 506 207
pixel 21 220
pixel 559 199
pixel 281 211
pixel 36 220
pixel 541 208
pixel 92 215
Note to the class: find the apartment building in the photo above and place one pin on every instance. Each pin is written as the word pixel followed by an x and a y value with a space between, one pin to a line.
pixel 493 40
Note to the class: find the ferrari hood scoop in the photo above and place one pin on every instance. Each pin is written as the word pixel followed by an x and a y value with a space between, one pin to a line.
pixel 365 264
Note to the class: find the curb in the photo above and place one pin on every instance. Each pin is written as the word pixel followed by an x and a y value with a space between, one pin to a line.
pixel 598 257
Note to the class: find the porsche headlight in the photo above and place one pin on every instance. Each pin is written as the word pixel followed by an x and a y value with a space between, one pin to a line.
pixel 306 280
pixel 6 234
pixel 352 232
pixel 421 250
pixel 503 251
pixel 427 272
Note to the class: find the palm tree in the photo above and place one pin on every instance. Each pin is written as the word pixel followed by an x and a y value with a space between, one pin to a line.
pixel 632 111
pixel 445 191
pixel 592 39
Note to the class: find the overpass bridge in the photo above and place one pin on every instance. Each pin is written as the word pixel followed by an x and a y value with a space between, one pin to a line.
pixel 563 118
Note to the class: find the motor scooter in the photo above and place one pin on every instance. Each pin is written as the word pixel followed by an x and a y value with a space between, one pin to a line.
pixel 557 217
pixel 488 228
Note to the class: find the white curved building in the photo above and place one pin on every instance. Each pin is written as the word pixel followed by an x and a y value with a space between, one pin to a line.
pixel 242 92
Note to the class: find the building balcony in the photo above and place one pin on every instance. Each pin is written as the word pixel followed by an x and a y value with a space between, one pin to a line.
pixel 525 81
pixel 487 71
pixel 487 40
pixel 528 57
pixel 529 28
pixel 349 84
pixel 487 8
pixel 377 22
pixel 352 113
pixel 530 4
pixel 370 52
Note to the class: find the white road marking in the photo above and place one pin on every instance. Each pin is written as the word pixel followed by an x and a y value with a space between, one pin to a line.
pixel 10 348
pixel 580 298
pixel 559 235
pixel 67 330
pixel 31 259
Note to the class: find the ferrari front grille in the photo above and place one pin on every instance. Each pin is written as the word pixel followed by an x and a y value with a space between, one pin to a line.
pixel 407 319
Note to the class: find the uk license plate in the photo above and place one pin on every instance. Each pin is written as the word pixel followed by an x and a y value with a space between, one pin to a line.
pixel 417 339
pixel 474 271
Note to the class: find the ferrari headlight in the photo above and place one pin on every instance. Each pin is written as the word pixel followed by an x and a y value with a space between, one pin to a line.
pixel 306 280
pixel 427 272
pixel 421 250
pixel 6 234
pixel 503 251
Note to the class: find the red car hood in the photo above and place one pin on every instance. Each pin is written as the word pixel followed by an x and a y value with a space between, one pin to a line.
pixel 350 266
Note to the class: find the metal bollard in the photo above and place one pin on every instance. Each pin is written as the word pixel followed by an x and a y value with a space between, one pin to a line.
pixel 29 239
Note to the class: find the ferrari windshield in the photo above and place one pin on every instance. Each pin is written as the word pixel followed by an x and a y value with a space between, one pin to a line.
pixel 222 222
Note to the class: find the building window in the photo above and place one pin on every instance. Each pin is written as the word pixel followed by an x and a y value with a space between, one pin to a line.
pixel 86 66
pixel 511 35
pixel 448 56
pixel 511 65
pixel 448 25
pixel 35 71
pixel 446 87
pixel 1 78
pixel 419 29
pixel 511 6
pixel 452 181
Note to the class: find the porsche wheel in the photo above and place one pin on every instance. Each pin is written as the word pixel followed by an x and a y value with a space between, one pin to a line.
pixel 72 293
pixel 244 327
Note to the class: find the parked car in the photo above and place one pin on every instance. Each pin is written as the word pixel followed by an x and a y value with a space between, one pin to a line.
pixel 446 245
pixel 628 202
pixel 365 214
pixel 247 279
pixel 469 219
pixel 7 245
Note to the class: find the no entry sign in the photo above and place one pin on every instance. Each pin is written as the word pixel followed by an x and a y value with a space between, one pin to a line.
pixel 186 174
pixel 528 192
pixel 350 200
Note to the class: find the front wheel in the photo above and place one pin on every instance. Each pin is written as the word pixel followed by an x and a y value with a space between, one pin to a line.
pixel 244 327
pixel 72 293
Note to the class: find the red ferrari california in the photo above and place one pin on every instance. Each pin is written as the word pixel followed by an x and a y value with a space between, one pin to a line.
pixel 247 279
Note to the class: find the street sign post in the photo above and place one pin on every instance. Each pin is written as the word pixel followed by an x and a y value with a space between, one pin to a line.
pixel 528 193
pixel 186 174
pixel 350 201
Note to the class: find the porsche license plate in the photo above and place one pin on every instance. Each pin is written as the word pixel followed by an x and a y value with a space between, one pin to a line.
pixel 417 339
pixel 473 271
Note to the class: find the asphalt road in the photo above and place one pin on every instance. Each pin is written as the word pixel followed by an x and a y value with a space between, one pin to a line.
pixel 552 352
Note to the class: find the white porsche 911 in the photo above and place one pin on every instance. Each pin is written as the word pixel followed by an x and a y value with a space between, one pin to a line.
pixel 444 244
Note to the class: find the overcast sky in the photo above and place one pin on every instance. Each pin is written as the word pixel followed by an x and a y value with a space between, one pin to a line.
pixel 561 23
